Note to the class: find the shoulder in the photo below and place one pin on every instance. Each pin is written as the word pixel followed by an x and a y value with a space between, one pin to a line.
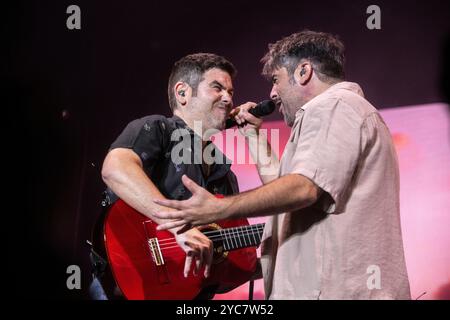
pixel 340 104
pixel 149 120
pixel 146 128
pixel 352 99
pixel 155 122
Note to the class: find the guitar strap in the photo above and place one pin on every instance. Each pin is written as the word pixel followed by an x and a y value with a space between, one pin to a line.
pixel 103 285
pixel 98 263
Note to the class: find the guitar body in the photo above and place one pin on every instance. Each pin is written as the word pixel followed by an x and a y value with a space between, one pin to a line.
pixel 148 264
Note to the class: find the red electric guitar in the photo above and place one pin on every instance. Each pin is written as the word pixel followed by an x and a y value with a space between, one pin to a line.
pixel 148 264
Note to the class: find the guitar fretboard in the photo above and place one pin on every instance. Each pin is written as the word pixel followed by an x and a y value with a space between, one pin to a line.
pixel 238 237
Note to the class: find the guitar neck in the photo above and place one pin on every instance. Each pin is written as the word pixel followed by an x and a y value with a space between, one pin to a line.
pixel 237 237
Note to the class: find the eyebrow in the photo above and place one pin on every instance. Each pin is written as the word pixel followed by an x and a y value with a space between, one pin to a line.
pixel 215 82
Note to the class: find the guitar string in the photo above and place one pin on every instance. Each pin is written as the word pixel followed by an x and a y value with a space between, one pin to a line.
pixel 233 231
pixel 175 245
pixel 254 226
pixel 170 253
pixel 234 236
pixel 258 225
pixel 179 253
pixel 219 235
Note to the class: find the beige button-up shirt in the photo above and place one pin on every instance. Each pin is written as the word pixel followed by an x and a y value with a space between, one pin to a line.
pixel 348 245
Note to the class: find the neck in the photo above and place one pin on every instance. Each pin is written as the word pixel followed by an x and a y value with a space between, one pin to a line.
pixel 325 85
pixel 318 87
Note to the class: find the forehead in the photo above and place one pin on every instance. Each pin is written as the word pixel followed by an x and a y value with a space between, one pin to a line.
pixel 218 75
pixel 279 72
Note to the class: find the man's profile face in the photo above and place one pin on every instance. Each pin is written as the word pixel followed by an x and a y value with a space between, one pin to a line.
pixel 284 93
pixel 214 99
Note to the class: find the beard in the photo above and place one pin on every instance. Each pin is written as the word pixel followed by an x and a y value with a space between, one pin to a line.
pixel 218 121
pixel 289 120
pixel 209 116
pixel 213 123
pixel 289 117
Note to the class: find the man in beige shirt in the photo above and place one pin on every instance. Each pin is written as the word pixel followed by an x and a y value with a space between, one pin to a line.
pixel 334 231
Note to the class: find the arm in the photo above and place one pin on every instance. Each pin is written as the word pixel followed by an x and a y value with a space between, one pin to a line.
pixel 288 193
pixel 123 173
pixel 265 159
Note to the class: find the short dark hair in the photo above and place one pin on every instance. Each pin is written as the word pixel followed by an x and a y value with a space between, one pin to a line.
pixel 325 51
pixel 190 69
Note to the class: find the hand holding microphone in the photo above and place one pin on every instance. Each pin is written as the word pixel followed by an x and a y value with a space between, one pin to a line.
pixel 248 116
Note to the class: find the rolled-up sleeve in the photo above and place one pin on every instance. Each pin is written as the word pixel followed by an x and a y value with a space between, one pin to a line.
pixel 327 150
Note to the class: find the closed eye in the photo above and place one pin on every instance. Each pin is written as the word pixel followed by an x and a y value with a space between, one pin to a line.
pixel 219 87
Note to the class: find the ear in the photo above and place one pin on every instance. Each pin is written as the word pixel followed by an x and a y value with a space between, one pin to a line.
pixel 182 92
pixel 303 73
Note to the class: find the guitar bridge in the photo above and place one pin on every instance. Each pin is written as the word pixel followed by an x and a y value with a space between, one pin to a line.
pixel 155 251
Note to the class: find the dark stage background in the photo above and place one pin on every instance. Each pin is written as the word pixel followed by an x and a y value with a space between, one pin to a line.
pixel 69 93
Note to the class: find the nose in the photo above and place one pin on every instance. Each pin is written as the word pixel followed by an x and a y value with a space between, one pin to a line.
pixel 227 99
pixel 274 94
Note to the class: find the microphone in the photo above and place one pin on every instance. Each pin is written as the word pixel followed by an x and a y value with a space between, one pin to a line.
pixel 262 109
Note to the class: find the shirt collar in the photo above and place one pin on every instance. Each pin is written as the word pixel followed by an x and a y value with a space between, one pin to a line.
pixel 180 122
pixel 344 85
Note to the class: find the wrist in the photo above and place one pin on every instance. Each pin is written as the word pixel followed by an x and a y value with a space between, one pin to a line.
pixel 225 208
pixel 252 133
pixel 249 132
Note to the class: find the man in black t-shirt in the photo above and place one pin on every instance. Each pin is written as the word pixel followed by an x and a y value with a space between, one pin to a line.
pixel 141 166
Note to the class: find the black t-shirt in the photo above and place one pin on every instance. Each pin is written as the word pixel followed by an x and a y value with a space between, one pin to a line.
pixel 150 138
